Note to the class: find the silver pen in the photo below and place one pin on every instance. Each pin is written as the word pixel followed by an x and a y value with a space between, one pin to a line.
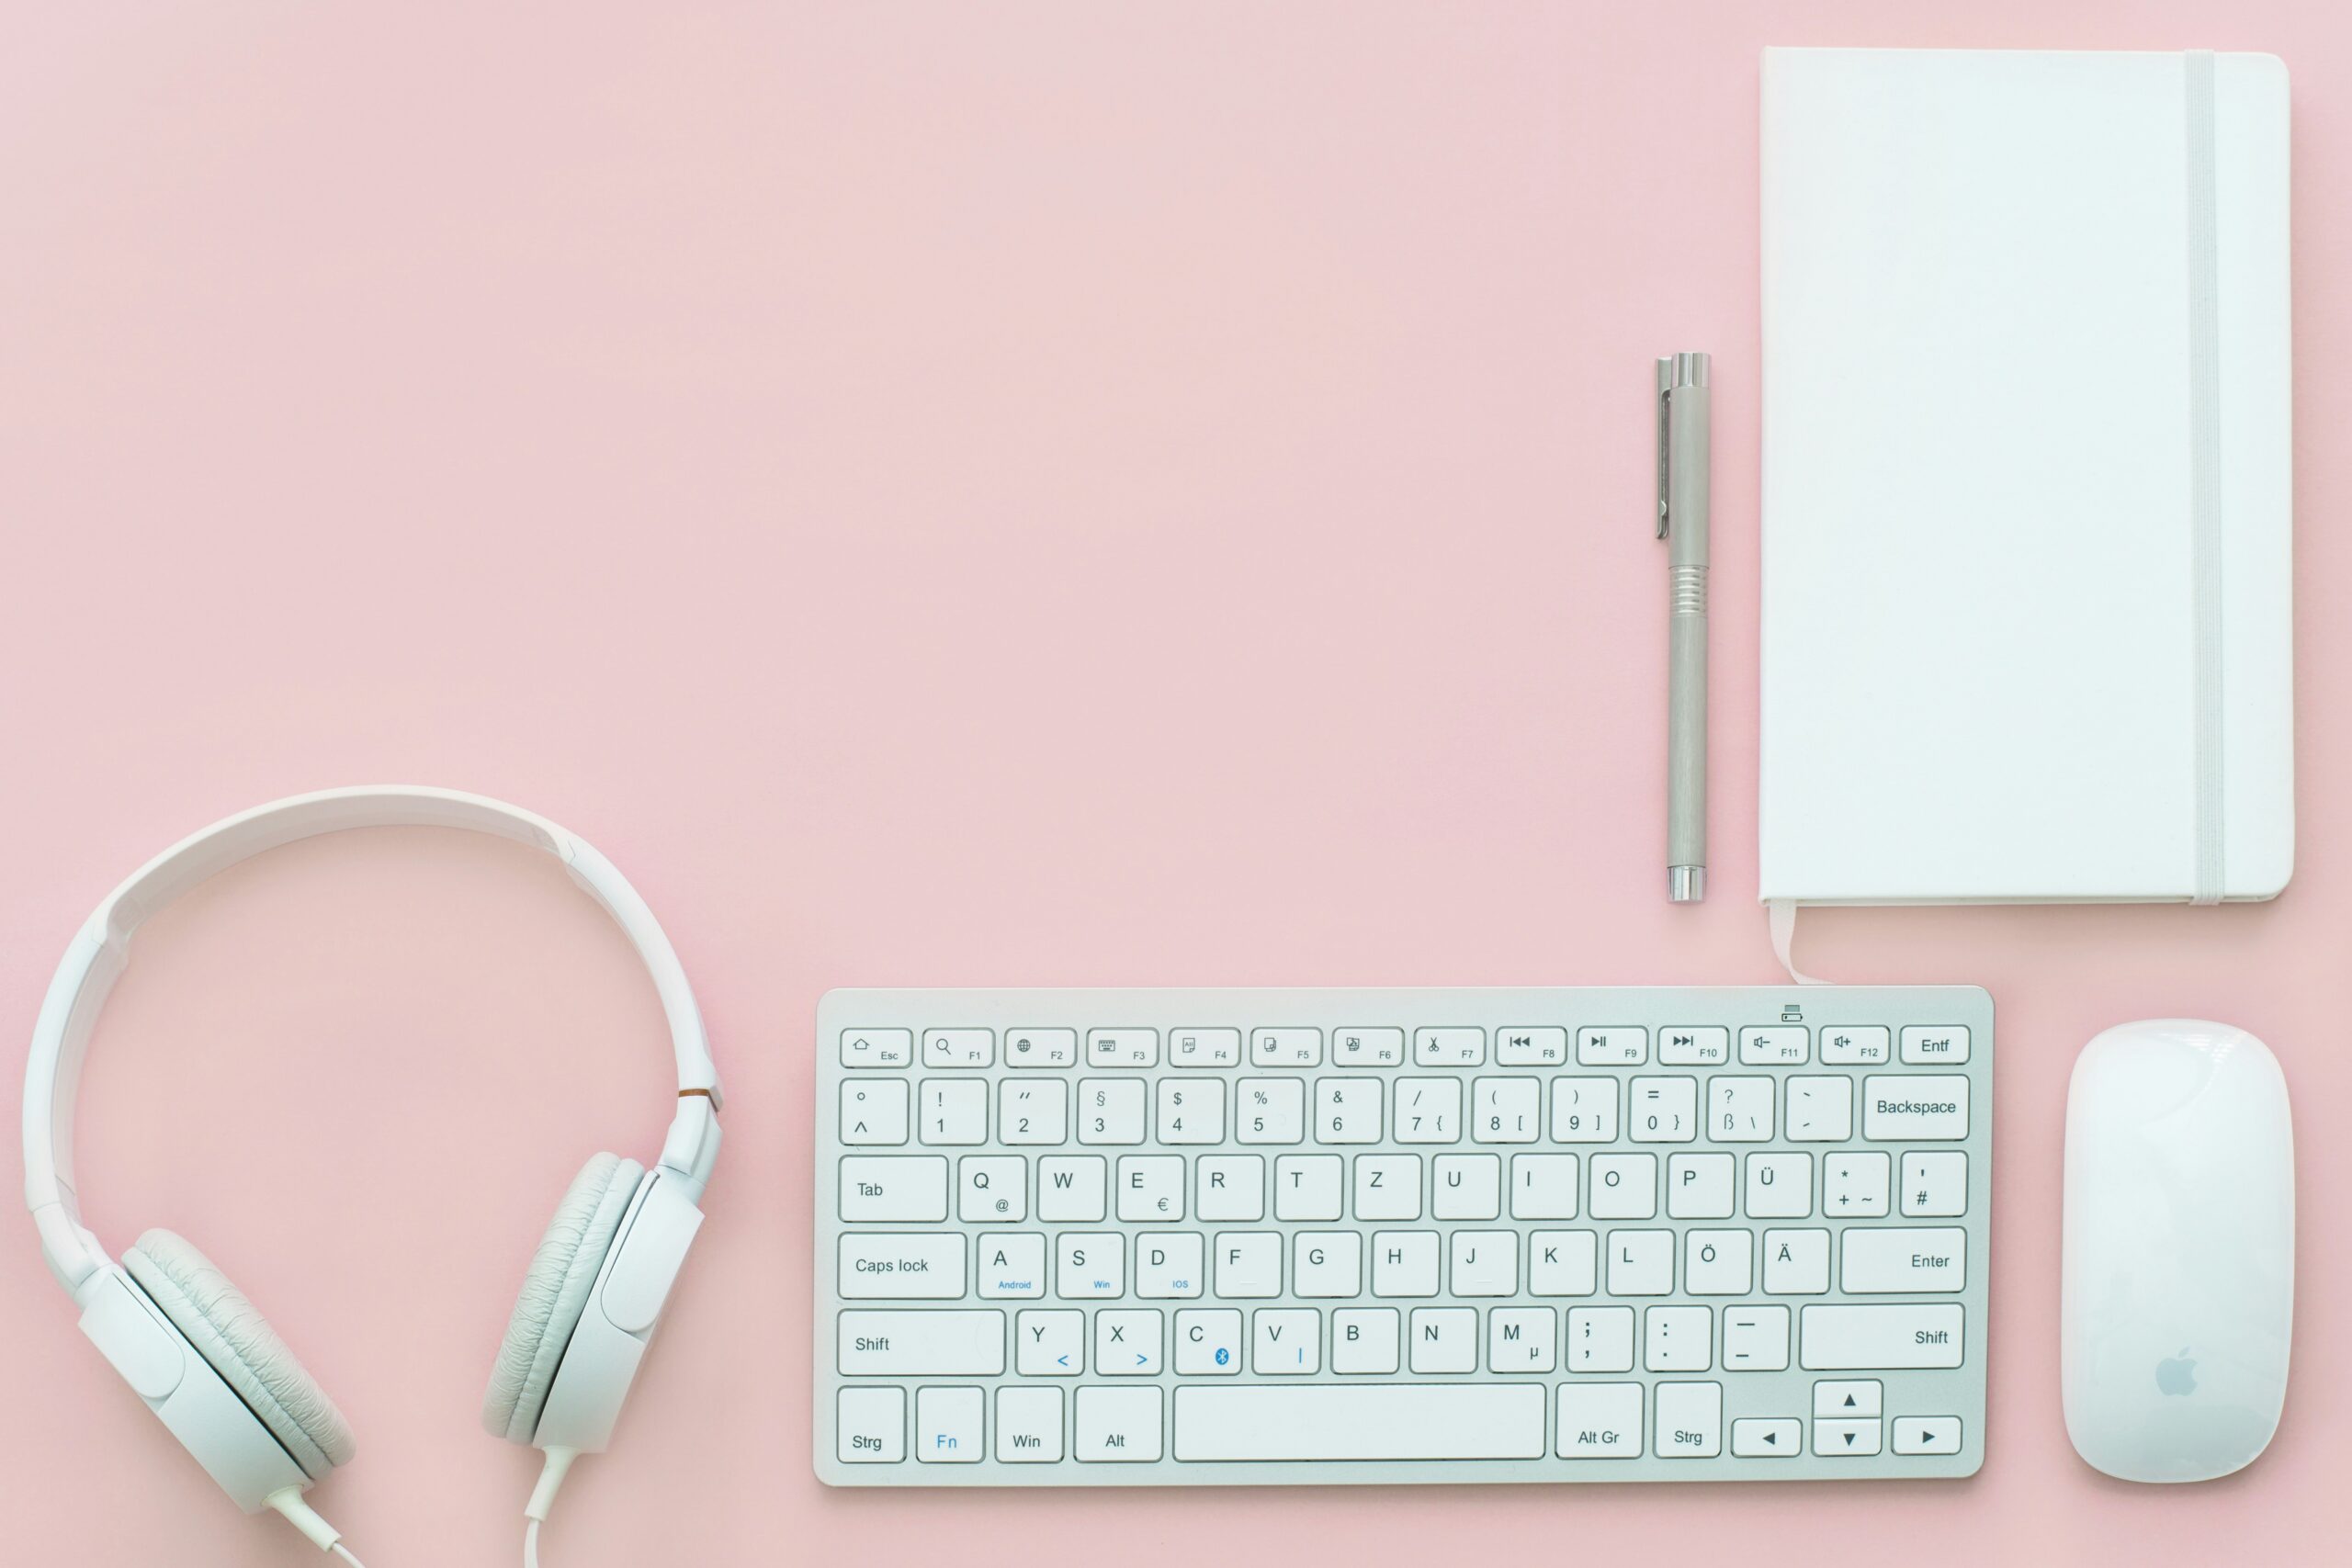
pixel 1682 523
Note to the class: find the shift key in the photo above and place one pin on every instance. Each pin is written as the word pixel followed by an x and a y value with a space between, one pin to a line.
pixel 1858 1338
pixel 922 1344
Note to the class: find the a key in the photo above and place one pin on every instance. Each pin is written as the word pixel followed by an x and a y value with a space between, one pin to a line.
pixel 1543 1047
pixel 1249 1264
pixel 1192 1111
pixel 871 1427
pixel 1327 1264
pixel 1934 1183
pixel 1307 1187
pixel 958 1047
pixel 1756 1338
pixel 1678 1338
pixel 1363 1341
pixel 1690 1420
pixel 1033 1112
pixel 1110 1111
pixel 1428 1111
pixel 1779 1187
pixel 1820 1109
pixel 1796 1263
pixel 1119 1425
pixel 1583 1110
pixel 1836 1337
pixel 942 1343
pixel 1362 1421
pixel 1694 1047
pixel 1151 1188
pixel 1123 1047
pixel 1626 1046
pixel 1204 1047
pixel 1040 1047
pixel 902 1265
pixel 1928 1047
pixel 1484 1263
pixel 1126 1343
pixel 1387 1187
pixel 1208 1343
pixel 947 1426
pixel 1449 1047
pixel 894 1187
pixel 1699 1187
pixel 1543 1186
pixel 1011 1265
pixel 1600 1339
pixel 1600 1420
pixel 1404 1263
pixel 1522 1339
pixel 1071 1188
pixel 1902 1262
pixel 1856 1045
pixel 992 1189
pixel 1090 1265
pixel 877 1048
pixel 1915 1109
pixel 953 1111
pixel 1368 1048
pixel 1286 1047
pixel 1229 1187
pixel 874 1111
pixel 1269 1111
pixel 1444 1339
pixel 1347 1111
pixel 1854 1186
pixel 1775 1045
pixel 1168 1265
pixel 1718 1262
pixel 1623 1187
pixel 1506 1110
pixel 1467 1187
pixel 1641 1263
pixel 1739 1110
pixel 1561 1263
pixel 1285 1341
pixel 1028 1425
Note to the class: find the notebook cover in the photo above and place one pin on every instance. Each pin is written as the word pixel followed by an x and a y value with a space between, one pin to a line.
pixel 1979 676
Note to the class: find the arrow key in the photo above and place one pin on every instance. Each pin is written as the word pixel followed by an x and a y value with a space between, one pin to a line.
pixel 1847 1401
pixel 1761 1437
pixel 1845 1439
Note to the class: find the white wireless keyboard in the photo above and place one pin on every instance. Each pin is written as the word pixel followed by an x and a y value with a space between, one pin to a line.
pixel 1168 1237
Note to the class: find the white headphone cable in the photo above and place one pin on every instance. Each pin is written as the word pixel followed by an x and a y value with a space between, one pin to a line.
pixel 344 1553
pixel 303 1517
pixel 551 1474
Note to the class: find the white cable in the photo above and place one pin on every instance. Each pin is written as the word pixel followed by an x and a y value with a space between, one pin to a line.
pixel 344 1553
pixel 531 1545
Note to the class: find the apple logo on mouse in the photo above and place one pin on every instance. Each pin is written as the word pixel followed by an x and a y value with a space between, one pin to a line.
pixel 2177 1374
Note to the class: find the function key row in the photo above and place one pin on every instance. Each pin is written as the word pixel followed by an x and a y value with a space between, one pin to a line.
pixel 1605 1045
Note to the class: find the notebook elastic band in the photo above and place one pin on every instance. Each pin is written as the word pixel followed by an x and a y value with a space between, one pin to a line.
pixel 2205 465
pixel 1783 913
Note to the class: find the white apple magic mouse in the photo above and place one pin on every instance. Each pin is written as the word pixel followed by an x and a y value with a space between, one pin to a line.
pixel 2179 1271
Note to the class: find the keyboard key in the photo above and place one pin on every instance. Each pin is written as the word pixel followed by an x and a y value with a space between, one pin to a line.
pixel 1767 1438
pixel 1690 1420
pixel 1387 1187
pixel 1444 1339
pixel 1903 1262
pixel 1467 1187
pixel 936 1343
pixel 958 1047
pixel 1853 1186
pixel 1368 1048
pixel 1362 1421
pixel 947 1426
pixel 877 1048
pixel 1119 1425
pixel 1123 1047
pixel 1855 1046
pixel 1486 1263
pixel 906 1265
pixel 1756 1338
pixel 1543 1186
pixel 1845 1439
pixel 1028 1425
pixel 1286 1047
pixel 1641 1263
pixel 1600 1420
pixel 1204 1047
pixel 1718 1263
pixel 1583 1110
pixel 1625 1046
pixel 1699 1187
pixel 1363 1341
pixel 1327 1264
pixel 1347 1111
pixel 1050 1344
pixel 1600 1339
pixel 1011 1266
pixel 1449 1047
pixel 872 1427
pixel 1927 1434
pixel 1740 1110
pixel 1126 1343
pixel 1110 1111
pixel 1249 1264
pixel 1192 1111
pixel 1070 1188
pixel 1404 1263
pixel 1229 1187
pixel 1033 1112
pixel 1664 1111
pixel 1286 1342
pixel 1208 1343
pixel 1090 1265
pixel 874 1110
pixel 1308 1186
pixel 1151 1188
pixel 1678 1338
pixel 1040 1047
pixel 1915 1109
pixel 1839 1339
pixel 894 1187
pixel 1545 1047
pixel 1689 1047
pixel 1506 1110
pixel 1269 1111
pixel 1930 1047
pixel 1170 1264
pixel 1848 1400
pixel 992 1189
pixel 1779 1187
pixel 1625 1187
pixel 1522 1339
pixel 1796 1263
pixel 1428 1111
pixel 1561 1263
pixel 1777 1045
pixel 1934 1183
pixel 954 1111
pixel 1820 1109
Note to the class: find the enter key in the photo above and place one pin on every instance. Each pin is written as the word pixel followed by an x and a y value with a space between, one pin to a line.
pixel 1906 1261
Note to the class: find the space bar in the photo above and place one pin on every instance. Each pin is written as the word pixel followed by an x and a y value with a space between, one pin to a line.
pixel 1324 1421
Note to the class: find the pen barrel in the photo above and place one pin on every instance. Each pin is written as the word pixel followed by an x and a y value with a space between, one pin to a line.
pixel 1687 440
pixel 1686 734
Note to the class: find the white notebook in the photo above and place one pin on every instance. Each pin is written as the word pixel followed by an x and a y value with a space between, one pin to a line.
pixel 2027 505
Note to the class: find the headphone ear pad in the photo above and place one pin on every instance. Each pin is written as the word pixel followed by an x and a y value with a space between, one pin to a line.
pixel 241 1345
pixel 555 1293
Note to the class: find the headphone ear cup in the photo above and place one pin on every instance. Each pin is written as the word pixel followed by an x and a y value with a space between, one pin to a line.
pixel 555 1293
pixel 241 1347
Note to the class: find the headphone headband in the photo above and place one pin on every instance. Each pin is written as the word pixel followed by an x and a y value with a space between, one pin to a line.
pixel 100 951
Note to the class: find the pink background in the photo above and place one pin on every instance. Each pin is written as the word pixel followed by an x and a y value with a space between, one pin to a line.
pixel 1051 495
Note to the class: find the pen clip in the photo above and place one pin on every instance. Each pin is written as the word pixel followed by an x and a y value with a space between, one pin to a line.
pixel 1665 391
pixel 1676 372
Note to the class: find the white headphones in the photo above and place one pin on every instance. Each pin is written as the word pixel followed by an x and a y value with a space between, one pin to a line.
pixel 200 1356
